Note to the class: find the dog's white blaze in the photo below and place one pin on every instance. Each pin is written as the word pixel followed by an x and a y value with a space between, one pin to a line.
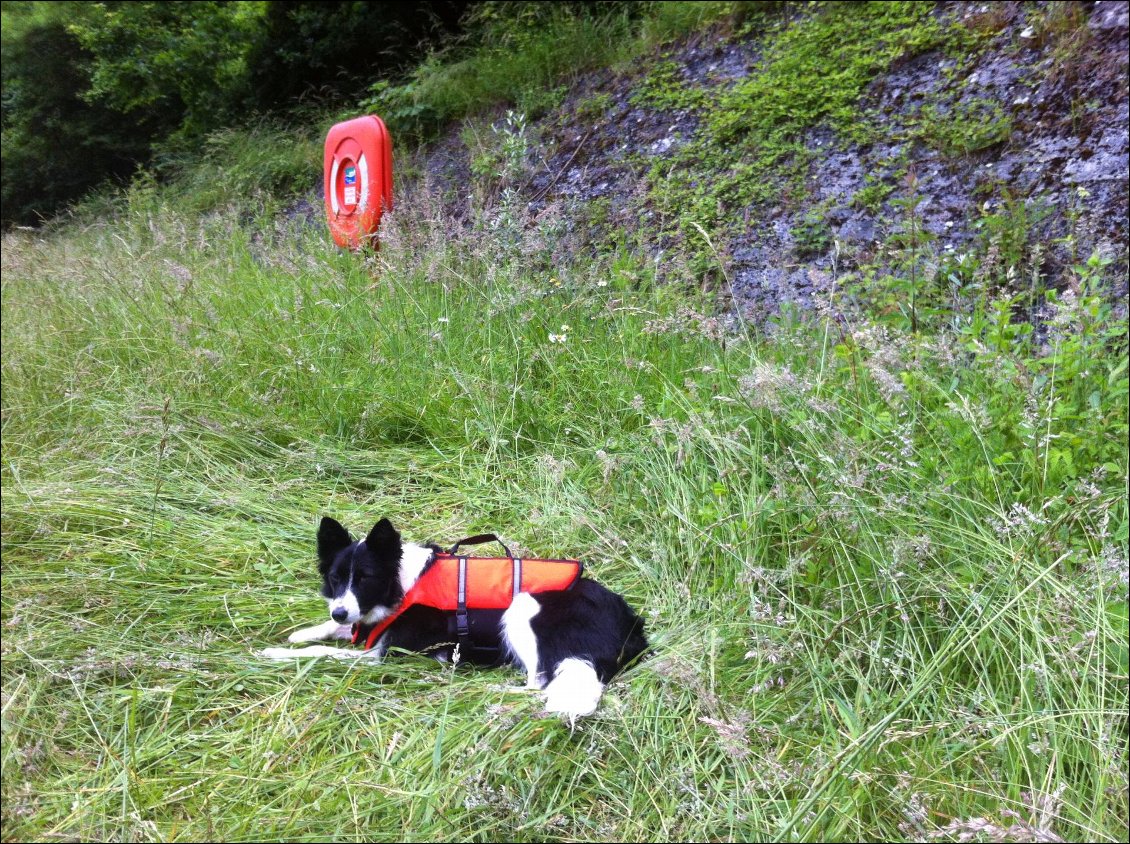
pixel 348 602
pixel 575 689
pixel 413 558
pixel 376 614
pixel 519 637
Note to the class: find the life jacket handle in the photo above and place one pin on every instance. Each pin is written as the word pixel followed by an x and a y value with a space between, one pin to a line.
pixel 479 540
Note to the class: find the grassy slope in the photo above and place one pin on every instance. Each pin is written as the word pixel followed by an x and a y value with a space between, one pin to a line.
pixel 881 571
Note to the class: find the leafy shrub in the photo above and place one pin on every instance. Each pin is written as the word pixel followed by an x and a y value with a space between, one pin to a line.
pixel 56 144
pixel 964 128
pixel 184 63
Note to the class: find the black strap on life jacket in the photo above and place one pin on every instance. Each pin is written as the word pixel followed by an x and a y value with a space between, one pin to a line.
pixel 479 540
pixel 483 618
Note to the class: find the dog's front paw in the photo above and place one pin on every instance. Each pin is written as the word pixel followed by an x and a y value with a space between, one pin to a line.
pixel 306 634
pixel 277 653
pixel 317 650
pixel 320 632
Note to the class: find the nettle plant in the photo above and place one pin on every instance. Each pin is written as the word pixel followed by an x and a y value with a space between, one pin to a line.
pixel 513 145
pixel 1062 382
pixel 501 155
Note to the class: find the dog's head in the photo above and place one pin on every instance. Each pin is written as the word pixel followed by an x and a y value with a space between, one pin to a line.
pixel 360 580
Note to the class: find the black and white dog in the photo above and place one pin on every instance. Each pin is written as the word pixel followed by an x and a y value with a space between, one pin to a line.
pixel 570 642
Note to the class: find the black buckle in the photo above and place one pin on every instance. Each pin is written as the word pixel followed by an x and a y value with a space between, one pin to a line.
pixel 462 625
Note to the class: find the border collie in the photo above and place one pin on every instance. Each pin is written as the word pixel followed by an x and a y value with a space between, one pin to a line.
pixel 570 643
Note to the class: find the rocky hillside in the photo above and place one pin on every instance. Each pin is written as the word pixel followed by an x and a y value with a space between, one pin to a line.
pixel 800 151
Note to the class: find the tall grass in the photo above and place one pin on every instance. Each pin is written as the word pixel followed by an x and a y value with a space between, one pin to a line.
pixel 872 615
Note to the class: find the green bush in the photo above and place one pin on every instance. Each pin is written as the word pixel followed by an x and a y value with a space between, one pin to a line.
pixel 56 144
pixel 184 62
pixel 337 47
pixel 93 90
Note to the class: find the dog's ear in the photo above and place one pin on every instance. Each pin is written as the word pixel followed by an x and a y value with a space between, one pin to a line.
pixel 384 538
pixel 332 537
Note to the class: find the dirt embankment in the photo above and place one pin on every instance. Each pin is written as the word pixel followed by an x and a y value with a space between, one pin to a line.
pixel 1035 125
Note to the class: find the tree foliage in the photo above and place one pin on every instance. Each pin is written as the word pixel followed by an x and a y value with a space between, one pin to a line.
pixel 92 90
pixel 183 62
pixel 340 47
pixel 56 143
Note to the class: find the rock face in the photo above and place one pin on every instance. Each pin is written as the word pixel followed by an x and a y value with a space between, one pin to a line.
pixel 1054 79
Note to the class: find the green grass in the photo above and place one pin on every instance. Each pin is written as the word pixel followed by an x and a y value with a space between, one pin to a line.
pixel 524 54
pixel 885 582
pixel 750 144
pixel 515 62
pixel 753 145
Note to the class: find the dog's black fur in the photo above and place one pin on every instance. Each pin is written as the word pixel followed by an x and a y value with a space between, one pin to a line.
pixel 588 621
pixel 569 642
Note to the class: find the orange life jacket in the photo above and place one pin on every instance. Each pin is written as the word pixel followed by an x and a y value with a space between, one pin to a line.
pixel 460 584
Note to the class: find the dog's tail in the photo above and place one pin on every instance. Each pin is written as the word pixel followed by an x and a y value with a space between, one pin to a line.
pixel 575 689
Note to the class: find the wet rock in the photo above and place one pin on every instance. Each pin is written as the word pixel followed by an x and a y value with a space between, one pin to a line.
pixel 1065 112
pixel 1110 16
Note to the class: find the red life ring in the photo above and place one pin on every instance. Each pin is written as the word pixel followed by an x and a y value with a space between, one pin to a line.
pixel 358 179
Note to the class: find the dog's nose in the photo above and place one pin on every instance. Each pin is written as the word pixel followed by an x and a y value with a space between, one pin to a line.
pixel 339 615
